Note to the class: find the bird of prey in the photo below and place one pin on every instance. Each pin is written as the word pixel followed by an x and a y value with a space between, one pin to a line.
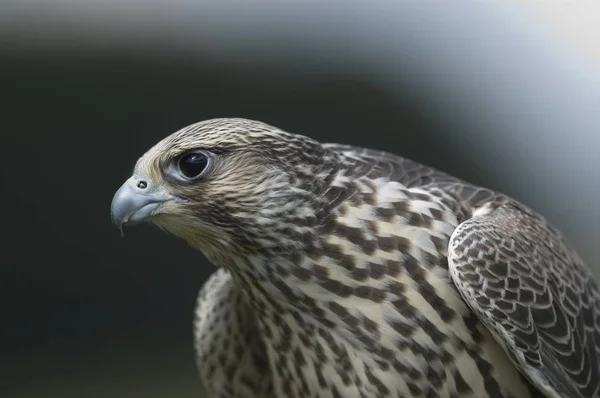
pixel 350 272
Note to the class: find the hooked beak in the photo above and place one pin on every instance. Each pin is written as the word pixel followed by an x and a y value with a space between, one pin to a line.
pixel 136 201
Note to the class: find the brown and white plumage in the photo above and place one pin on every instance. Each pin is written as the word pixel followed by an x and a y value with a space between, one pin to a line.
pixel 348 272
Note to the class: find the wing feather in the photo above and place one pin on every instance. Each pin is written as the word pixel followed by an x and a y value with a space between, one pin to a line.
pixel 534 293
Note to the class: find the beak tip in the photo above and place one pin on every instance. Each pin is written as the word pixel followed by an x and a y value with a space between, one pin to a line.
pixel 117 222
pixel 119 226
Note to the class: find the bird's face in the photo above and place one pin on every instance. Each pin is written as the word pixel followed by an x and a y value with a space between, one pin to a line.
pixel 226 185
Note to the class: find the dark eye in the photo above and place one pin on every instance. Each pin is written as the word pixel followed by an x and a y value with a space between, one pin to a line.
pixel 192 164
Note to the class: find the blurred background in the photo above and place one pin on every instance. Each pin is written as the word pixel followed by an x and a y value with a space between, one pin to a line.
pixel 505 94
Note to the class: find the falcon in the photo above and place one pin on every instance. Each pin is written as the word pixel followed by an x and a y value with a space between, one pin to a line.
pixel 351 272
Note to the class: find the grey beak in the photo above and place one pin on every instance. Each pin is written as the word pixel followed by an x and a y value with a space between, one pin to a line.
pixel 135 202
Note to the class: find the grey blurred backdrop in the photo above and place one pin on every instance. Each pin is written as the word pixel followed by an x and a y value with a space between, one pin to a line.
pixel 506 95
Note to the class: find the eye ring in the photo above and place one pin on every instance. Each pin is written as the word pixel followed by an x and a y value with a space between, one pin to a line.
pixel 193 164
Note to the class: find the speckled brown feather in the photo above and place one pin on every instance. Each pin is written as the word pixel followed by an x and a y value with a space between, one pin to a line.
pixel 335 278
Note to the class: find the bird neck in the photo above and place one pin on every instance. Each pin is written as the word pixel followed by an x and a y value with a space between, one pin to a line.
pixel 292 286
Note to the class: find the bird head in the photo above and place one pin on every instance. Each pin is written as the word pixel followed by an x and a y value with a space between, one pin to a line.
pixel 229 185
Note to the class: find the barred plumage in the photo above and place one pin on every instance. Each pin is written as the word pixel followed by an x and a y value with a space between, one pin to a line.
pixel 349 272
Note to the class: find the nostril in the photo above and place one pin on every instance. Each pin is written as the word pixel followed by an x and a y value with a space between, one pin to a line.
pixel 142 184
